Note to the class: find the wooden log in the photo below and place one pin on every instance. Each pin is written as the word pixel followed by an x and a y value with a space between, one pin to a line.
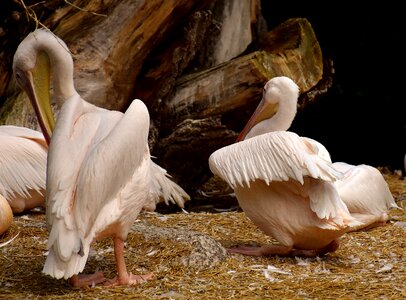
pixel 210 37
pixel 110 56
pixel 162 68
pixel 185 151
pixel 234 21
pixel 237 83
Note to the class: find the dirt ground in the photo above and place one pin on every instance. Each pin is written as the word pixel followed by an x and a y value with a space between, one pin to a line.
pixel 367 265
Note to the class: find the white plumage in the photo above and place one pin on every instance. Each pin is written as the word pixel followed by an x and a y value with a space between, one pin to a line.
pixel 100 174
pixel 23 155
pixel 286 184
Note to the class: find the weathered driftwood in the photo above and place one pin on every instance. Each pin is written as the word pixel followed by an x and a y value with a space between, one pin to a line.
pixel 162 68
pixel 110 56
pixel 212 36
pixel 185 151
pixel 236 83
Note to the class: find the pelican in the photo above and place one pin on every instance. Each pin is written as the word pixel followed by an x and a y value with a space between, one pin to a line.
pixel 6 215
pixel 282 181
pixel 99 170
pixel 363 189
pixel 22 167
pixel 366 194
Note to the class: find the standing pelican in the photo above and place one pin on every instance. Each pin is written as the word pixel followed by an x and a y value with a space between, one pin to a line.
pixel 282 182
pixel 99 173
pixel 23 156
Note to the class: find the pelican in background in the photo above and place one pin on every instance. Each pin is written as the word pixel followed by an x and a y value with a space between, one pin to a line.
pixel 285 184
pixel 366 194
pixel 23 159
pixel 99 173
pixel 364 190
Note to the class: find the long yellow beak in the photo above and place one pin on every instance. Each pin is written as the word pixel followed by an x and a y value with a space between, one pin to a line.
pixel 37 86
pixel 262 112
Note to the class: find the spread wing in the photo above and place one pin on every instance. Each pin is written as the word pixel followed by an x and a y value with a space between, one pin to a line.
pixel 281 156
pixel 23 156
pixel 275 156
pixel 91 159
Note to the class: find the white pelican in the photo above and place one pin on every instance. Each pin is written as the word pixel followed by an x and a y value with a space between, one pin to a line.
pixel 6 215
pixel 282 182
pixel 23 159
pixel 364 190
pixel 366 194
pixel 99 172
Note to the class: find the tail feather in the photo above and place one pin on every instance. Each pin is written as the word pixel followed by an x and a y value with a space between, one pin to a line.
pixel 57 268
pixel 67 253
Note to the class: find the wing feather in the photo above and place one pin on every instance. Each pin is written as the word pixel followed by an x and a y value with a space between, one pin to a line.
pixel 364 189
pixel 67 150
pixel 275 156
pixel 110 164
pixel 22 161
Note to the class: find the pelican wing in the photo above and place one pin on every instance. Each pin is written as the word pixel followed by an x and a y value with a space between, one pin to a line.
pixel 23 132
pixel 22 161
pixel 111 164
pixel 275 156
pixel 67 150
pixel 364 189
pixel 86 169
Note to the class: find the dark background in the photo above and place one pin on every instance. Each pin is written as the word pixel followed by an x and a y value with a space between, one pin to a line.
pixel 362 118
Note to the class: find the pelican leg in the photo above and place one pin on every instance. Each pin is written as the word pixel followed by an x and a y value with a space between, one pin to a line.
pixel 333 246
pixel 373 225
pixel 262 250
pixel 283 250
pixel 86 279
pixel 123 277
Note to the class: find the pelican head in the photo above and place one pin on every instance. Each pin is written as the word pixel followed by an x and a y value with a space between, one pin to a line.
pixel 32 70
pixel 278 98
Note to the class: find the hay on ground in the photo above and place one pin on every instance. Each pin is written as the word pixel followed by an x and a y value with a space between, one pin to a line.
pixel 367 265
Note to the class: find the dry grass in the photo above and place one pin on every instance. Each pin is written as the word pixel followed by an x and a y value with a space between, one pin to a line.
pixel 368 265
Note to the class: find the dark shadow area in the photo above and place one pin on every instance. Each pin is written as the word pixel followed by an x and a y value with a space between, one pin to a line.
pixel 362 118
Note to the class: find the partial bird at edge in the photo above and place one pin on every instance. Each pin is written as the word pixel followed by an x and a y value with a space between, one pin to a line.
pixel 23 162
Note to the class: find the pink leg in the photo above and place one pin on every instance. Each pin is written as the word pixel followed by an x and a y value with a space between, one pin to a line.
pixel 86 279
pixel 261 251
pixel 123 277
pixel 373 225
pixel 333 246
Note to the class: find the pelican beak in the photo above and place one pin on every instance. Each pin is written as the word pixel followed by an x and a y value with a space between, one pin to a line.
pixel 262 112
pixel 36 85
